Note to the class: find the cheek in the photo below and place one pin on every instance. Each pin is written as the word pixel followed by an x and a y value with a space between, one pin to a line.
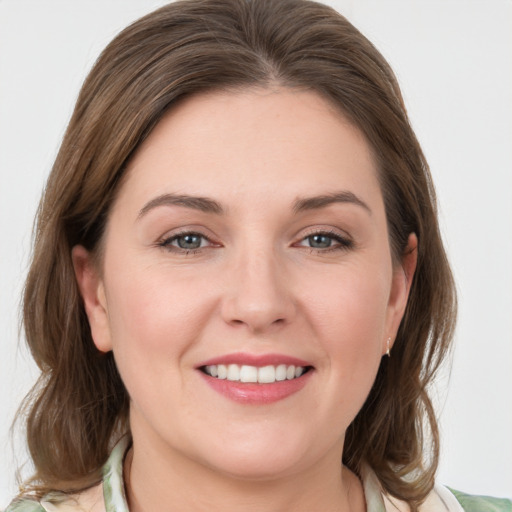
pixel 350 307
pixel 349 318
pixel 153 320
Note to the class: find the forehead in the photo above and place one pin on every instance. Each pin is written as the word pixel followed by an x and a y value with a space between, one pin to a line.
pixel 254 142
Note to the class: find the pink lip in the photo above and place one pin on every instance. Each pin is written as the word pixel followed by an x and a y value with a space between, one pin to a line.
pixel 255 360
pixel 253 393
pixel 257 394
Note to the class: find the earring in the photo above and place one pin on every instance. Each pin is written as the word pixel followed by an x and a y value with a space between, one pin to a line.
pixel 388 353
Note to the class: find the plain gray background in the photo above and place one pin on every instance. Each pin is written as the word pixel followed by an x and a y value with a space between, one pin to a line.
pixel 453 59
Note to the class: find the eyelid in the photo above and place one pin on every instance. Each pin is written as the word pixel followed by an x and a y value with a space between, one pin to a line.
pixel 166 240
pixel 343 241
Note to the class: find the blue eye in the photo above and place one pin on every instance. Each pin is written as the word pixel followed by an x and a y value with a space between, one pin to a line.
pixel 189 241
pixel 320 241
pixel 185 242
pixel 326 242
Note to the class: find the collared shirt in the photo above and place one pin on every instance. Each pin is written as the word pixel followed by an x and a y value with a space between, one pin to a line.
pixel 109 496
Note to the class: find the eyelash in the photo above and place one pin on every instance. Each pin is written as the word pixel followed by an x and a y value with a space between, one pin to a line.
pixel 166 243
pixel 341 243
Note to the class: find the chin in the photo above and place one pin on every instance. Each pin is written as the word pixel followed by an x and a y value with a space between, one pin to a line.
pixel 257 468
pixel 261 458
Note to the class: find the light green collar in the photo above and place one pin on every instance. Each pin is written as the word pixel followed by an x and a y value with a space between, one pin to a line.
pixel 113 484
pixel 115 496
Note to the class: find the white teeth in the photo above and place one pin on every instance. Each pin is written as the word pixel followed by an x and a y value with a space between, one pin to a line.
pixel 281 372
pixel 262 375
pixel 266 374
pixel 222 371
pixel 248 374
pixel 212 370
pixel 233 372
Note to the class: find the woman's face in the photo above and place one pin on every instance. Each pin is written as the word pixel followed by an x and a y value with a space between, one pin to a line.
pixel 248 241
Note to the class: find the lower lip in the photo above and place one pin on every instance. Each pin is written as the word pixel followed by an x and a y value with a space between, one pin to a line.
pixel 257 394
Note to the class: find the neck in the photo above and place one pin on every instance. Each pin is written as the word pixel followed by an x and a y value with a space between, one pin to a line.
pixel 169 481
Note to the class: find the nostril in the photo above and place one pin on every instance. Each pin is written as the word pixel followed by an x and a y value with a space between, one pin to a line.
pixel 246 305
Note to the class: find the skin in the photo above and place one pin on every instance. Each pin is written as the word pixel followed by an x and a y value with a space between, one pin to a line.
pixel 256 285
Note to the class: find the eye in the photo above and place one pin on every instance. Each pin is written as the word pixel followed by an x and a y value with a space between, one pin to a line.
pixel 319 241
pixel 323 241
pixel 189 241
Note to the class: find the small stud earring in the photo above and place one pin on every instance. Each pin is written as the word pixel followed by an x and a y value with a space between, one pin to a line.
pixel 388 353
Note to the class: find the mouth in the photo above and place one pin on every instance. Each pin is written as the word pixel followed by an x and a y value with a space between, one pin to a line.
pixel 256 379
pixel 268 374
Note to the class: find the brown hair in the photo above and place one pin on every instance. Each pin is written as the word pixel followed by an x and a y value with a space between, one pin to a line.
pixel 79 406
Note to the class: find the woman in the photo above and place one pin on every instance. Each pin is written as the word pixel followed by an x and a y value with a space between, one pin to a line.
pixel 238 230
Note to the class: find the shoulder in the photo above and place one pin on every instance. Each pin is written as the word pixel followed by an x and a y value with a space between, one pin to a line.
pixel 90 500
pixel 471 503
pixel 25 505
pixel 444 499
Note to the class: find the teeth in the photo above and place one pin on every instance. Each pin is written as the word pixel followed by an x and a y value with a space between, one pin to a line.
pixel 248 374
pixel 233 372
pixel 266 374
pixel 222 371
pixel 262 375
pixel 281 372
pixel 212 370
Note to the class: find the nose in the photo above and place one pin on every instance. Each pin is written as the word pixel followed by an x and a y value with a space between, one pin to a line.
pixel 258 294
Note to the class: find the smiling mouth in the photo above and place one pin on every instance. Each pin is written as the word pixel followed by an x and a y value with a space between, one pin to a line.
pixel 254 374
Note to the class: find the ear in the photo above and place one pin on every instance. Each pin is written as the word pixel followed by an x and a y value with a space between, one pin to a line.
pixel 401 285
pixel 92 290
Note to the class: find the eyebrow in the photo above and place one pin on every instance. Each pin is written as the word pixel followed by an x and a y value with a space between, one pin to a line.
pixel 203 204
pixel 207 205
pixel 316 202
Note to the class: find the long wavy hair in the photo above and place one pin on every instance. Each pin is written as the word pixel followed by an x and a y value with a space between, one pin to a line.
pixel 79 406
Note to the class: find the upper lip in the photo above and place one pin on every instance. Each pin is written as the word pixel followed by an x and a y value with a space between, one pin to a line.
pixel 258 360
